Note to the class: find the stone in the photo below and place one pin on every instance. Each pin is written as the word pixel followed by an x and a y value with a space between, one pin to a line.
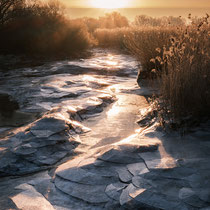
pixel 51 159
pixel 58 138
pixel 56 95
pixel 139 145
pixel 82 176
pixel 203 193
pixel 189 197
pixel 196 163
pixel 25 136
pixel 141 182
pixel 149 156
pixel 186 193
pixel 116 155
pixel 12 165
pixel 42 133
pixel 87 162
pixel 177 173
pixel 69 164
pixel 124 174
pixel 150 199
pixel 42 142
pixel 28 153
pixel 42 178
pixel 63 201
pixel 137 168
pixel 92 194
pixel 113 204
pixel 153 160
pixel 43 184
pixel 199 180
pixel 30 199
pixel 125 195
pixel 47 127
pixel 100 163
pixel 114 190
pixel 25 149
pixel 152 175
pixel 78 127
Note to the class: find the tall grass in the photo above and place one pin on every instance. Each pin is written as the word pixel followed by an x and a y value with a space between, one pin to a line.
pixel 145 43
pixel 112 38
pixel 185 82
pixel 179 57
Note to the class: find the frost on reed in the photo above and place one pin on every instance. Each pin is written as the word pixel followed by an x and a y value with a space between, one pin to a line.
pixel 179 57
pixel 145 43
pixel 185 82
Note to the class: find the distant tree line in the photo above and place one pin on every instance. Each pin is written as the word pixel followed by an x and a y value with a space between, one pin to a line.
pixel 42 28
pixel 35 27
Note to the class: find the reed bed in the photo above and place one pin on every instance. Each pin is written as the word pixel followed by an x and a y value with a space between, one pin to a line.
pixel 179 58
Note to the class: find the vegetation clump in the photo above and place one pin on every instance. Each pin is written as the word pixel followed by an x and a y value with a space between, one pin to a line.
pixel 179 58
pixel 185 79
pixel 32 27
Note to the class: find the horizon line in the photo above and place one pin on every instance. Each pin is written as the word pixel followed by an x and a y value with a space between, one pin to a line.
pixel 139 8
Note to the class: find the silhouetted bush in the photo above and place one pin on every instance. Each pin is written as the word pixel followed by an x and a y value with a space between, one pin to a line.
pixel 113 20
pixel 109 30
pixel 41 28
pixel 8 8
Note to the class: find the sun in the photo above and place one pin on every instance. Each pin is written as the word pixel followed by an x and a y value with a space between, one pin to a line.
pixel 109 4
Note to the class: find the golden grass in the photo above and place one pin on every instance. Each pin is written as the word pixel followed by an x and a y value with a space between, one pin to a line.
pixel 112 38
pixel 179 57
pixel 145 43
pixel 185 83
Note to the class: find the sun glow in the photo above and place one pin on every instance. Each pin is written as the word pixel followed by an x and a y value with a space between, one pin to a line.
pixel 109 4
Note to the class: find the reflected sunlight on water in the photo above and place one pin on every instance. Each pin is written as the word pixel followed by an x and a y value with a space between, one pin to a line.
pixel 110 62
pixel 127 140
pixel 89 78
pixel 114 111
pixel 94 81
pixel 104 59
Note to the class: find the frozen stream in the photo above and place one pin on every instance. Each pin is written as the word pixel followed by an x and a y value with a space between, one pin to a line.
pixel 106 81
pixel 74 142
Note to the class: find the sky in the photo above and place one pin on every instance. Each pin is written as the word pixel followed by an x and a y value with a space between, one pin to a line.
pixel 138 3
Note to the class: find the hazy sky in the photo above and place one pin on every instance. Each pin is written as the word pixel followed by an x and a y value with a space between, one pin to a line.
pixel 140 3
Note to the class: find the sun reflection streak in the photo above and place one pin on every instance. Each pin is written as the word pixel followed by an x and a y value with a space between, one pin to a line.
pixel 110 62
pixel 128 139
pixel 114 111
pixel 89 78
